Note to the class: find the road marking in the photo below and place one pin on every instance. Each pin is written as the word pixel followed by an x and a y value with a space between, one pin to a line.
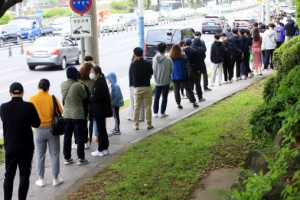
pixel 5 70
pixel 123 79
pixel 22 84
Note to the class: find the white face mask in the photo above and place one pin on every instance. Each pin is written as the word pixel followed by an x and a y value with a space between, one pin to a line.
pixel 92 76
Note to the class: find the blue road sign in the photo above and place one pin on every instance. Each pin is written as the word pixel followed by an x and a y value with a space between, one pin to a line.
pixel 81 6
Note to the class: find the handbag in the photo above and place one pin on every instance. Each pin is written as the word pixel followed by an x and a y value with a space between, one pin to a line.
pixel 58 122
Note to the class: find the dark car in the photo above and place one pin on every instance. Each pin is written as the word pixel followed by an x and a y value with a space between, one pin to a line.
pixel 170 36
pixel 213 23
pixel 9 33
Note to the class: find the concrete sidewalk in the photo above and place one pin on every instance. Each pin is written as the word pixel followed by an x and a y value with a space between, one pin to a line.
pixel 74 175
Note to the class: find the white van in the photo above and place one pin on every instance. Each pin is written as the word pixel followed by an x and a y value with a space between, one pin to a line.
pixel 62 27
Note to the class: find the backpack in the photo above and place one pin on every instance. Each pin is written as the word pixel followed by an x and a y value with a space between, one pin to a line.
pixel 227 47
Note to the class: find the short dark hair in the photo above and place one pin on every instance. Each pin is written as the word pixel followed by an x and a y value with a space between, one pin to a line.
pixel 88 58
pixel 44 84
pixel 223 35
pixel 217 36
pixel 247 31
pixel 198 33
pixel 281 24
pixel 138 51
pixel 161 47
pixel 242 31
pixel 182 43
pixel 237 24
pixel 255 24
pixel 235 31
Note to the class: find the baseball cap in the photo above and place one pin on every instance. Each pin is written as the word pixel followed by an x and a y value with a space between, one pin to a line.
pixel 188 41
pixel 16 88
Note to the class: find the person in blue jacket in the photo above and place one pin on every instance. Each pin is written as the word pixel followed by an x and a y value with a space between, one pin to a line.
pixel 116 100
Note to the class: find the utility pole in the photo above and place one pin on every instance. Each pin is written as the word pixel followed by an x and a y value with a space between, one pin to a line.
pixel 91 43
pixel 267 3
pixel 17 10
pixel 141 23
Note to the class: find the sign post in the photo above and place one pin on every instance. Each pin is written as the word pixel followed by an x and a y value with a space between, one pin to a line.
pixel 81 7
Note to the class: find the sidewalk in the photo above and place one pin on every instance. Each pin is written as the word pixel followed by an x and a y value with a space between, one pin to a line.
pixel 74 175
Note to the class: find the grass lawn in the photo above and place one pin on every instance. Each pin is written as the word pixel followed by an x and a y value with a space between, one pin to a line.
pixel 168 164
pixel 1 151
pixel 126 103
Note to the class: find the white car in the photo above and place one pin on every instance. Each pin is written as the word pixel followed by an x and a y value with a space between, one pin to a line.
pixel 112 24
pixel 62 27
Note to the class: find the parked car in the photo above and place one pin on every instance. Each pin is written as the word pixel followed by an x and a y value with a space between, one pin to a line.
pixel 112 24
pixel 52 51
pixel 9 33
pixel 169 35
pixel 243 23
pixel 62 27
pixel 130 19
pixel 213 23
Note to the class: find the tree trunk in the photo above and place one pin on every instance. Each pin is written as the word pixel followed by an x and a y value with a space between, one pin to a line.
pixel 5 5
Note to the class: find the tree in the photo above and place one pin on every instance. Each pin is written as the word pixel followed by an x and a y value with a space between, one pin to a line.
pixel 6 4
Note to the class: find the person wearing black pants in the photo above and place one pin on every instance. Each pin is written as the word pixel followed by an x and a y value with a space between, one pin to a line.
pixel 116 115
pixel 270 39
pixel 103 142
pixel 237 54
pixel 18 117
pixel 227 58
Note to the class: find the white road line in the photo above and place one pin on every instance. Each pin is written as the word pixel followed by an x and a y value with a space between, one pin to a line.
pixel 123 79
pixel 22 84
pixel 5 70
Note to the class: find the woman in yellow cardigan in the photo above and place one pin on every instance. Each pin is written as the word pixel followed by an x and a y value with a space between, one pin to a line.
pixel 44 105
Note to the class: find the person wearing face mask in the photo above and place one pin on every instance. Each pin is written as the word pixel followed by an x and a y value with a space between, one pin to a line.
pixel 100 110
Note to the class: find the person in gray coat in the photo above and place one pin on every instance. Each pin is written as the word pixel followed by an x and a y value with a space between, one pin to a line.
pixel 162 70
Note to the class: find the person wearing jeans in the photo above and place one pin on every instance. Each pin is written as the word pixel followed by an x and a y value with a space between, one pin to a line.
pixel 43 136
pixel 270 42
pixel 141 72
pixel 73 93
pixel 162 70
pixel 217 58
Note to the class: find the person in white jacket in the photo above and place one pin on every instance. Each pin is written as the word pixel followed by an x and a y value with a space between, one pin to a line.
pixel 270 43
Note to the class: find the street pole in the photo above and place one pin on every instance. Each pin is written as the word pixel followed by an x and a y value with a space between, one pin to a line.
pixel 17 10
pixel 92 47
pixel 82 47
pixel 267 11
pixel 141 23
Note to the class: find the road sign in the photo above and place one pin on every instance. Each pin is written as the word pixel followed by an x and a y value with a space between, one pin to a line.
pixel 81 6
pixel 81 26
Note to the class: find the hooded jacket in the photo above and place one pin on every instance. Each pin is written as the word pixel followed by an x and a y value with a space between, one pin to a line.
pixel 200 43
pixel 217 52
pixel 270 39
pixel 116 93
pixel 162 69
pixel 201 55
pixel 246 43
pixel 236 44
pixel 193 58
pixel 290 28
pixel 228 32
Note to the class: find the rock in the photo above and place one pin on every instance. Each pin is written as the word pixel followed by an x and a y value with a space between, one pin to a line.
pixel 255 161
pixel 278 139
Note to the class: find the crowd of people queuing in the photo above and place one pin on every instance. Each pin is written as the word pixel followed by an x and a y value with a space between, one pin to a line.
pixel 89 97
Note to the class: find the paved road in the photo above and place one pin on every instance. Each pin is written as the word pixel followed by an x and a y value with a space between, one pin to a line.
pixel 115 55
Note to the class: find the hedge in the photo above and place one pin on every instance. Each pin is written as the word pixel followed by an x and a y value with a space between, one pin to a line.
pixel 57 12
pixel 5 18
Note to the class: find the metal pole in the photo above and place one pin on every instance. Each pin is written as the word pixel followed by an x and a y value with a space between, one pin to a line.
pixel 9 50
pixel 82 47
pixel 141 23
pixel 267 11
pixel 22 49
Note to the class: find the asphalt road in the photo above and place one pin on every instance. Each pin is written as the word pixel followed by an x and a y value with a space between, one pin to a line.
pixel 115 55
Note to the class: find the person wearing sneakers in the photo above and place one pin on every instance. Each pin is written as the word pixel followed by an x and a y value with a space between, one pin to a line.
pixel 44 105
pixel 217 58
pixel 100 110
pixel 73 93
pixel 141 72
pixel 237 54
pixel 116 100
pixel 270 42
pixel 162 70
pixel 180 75
pixel 18 117
pixel 227 58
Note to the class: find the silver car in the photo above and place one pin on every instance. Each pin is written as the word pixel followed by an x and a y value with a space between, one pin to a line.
pixel 52 51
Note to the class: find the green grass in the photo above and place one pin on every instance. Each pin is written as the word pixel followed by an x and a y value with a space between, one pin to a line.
pixel 126 103
pixel 1 151
pixel 169 163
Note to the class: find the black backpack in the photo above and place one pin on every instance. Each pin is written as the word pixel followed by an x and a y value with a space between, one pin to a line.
pixel 227 47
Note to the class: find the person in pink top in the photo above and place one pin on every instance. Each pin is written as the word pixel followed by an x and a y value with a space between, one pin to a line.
pixel 256 50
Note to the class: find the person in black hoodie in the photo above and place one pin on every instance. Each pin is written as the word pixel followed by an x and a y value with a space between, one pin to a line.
pixel 18 117
pixel 194 77
pixel 289 28
pixel 217 58
pixel 227 58
pixel 245 61
pixel 100 110
pixel 200 47
pixel 237 54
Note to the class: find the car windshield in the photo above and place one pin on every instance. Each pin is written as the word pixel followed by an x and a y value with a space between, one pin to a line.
pixel 157 36
pixel 60 21
pixel 45 43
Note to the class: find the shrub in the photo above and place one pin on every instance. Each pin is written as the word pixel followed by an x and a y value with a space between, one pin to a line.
pixel 269 88
pixel 126 6
pixel 5 18
pixel 57 12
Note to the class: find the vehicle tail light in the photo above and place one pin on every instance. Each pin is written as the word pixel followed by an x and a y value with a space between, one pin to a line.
pixel 218 22
pixel 55 52
pixel 204 22
pixel 145 48
pixel 28 52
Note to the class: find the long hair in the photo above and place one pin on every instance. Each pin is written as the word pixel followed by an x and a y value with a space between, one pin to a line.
pixel 256 35
pixel 85 71
pixel 176 52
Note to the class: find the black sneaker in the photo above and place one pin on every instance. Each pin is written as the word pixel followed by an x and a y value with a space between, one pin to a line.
pixel 202 99
pixel 207 89
pixel 82 161
pixel 180 107
pixel 68 161
pixel 195 105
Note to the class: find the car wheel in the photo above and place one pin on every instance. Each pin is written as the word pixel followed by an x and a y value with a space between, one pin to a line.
pixel 77 61
pixel 63 64
pixel 18 40
pixel 31 67
pixel 1 42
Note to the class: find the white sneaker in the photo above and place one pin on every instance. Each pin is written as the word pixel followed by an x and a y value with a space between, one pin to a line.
pixel 40 183
pixel 164 115
pixel 183 97
pixel 97 153
pixel 109 134
pixel 57 181
pixel 86 146
pixel 155 115
pixel 74 146
pixel 106 152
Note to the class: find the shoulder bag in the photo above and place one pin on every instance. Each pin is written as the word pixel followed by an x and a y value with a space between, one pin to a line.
pixel 58 122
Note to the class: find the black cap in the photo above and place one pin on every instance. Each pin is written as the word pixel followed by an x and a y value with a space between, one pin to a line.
pixel 16 88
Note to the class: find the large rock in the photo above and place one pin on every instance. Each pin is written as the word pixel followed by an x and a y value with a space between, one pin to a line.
pixel 255 161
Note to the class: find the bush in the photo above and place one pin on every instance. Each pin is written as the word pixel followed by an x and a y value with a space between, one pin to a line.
pixel 126 6
pixel 5 18
pixel 57 12
pixel 269 88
